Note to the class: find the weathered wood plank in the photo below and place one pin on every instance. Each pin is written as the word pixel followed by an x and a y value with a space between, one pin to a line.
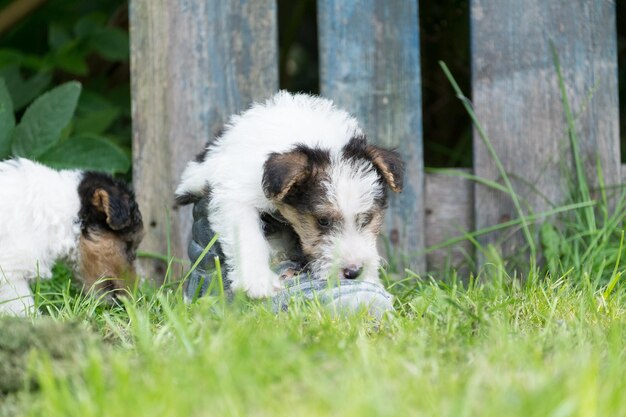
pixel 516 96
pixel 370 65
pixel 449 211
pixel 193 63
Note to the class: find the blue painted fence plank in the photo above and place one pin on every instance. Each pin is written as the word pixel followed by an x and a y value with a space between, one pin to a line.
pixel 370 65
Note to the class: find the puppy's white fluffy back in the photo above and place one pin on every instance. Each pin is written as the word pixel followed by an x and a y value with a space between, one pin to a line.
pixel 38 217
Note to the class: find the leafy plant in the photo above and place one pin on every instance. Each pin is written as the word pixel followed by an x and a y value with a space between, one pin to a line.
pixel 69 50
pixel 44 133
pixel 76 124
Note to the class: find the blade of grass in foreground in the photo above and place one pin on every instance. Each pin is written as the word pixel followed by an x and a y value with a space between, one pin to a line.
pixel 483 135
pixel 616 275
pixel 583 187
pixel 200 258
pixel 510 223
pixel 471 177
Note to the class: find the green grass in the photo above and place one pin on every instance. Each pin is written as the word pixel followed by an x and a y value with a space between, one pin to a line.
pixel 546 348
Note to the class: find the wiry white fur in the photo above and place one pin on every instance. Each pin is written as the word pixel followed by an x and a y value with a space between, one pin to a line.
pixel 233 170
pixel 38 225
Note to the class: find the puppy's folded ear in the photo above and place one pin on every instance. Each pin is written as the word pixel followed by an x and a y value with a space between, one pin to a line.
pixel 116 208
pixel 389 165
pixel 282 171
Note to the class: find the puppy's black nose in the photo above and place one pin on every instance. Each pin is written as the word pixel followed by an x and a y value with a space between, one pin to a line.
pixel 351 271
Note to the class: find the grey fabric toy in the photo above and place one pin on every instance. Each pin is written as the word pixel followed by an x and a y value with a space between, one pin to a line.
pixel 340 297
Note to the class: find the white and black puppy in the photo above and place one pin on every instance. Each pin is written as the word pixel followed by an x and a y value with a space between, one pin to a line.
pixel 301 159
pixel 86 218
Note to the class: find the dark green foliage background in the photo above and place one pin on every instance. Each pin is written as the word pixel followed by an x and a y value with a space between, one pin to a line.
pixel 84 41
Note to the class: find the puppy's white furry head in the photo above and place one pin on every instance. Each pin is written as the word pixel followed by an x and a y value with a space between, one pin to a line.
pixel 335 203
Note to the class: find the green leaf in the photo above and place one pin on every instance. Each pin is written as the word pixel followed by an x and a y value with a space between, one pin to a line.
pixel 88 24
pixel 58 36
pixel 44 120
pixel 24 91
pixel 90 152
pixel 10 57
pixel 70 58
pixel 97 121
pixel 73 63
pixel 94 114
pixel 14 57
pixel 110 43
pixel 7 121
pixel 91 100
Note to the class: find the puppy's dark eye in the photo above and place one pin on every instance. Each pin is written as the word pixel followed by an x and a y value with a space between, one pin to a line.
pixel 325 222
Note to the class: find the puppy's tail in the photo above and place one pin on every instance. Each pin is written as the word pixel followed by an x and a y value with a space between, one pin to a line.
pixel 193 184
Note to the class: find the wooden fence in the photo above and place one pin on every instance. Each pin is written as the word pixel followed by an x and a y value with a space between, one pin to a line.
pixel 195 62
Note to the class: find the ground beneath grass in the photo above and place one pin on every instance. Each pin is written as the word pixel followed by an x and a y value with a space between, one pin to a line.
pixel 541 349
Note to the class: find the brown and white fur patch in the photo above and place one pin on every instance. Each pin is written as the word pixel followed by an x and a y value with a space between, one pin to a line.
pixel 300 158
pixel 88 219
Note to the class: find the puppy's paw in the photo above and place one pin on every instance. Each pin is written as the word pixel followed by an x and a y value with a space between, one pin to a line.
pixel 260 285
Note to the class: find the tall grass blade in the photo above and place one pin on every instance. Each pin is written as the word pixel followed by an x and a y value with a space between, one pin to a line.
pixel 616 275
pixel 510 223
pixel 503 174
pixel 583 187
